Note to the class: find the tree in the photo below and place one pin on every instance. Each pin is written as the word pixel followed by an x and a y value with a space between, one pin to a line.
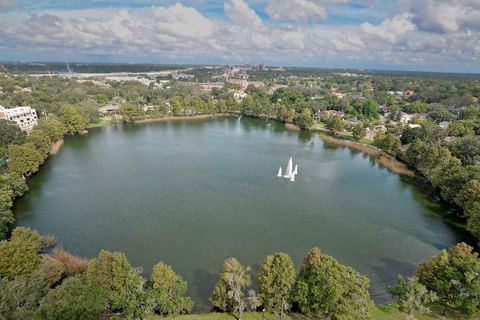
pixel 23 160
pixel 40 140
pixel 52 127
pixel 305 119
pixel 168 291
pixel 18 257
pixel 75 298
pixel 74 118
pixel 415 107
pixel 276 279
pixel 387 142
pixel 20 297
pixel 11 133
pixel 455 277
pixel 334 124
pixel 176 103
pixel 370 110
pixel 467 149
pixel 441 114
pixel 411 295
pixel 129 112
pixel 228 294
pixel 358 132
pixel 459 129
pixel 473 222
pixel 469 195
pixel 325 288
pixel 120 282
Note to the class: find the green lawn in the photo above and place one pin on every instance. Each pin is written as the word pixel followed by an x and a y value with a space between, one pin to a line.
pixel 101 123
pixel 383 312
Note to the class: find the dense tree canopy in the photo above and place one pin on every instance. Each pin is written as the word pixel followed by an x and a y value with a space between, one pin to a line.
pixel 10 133
pixel 276 279
pixel 168 291
pixel 325 288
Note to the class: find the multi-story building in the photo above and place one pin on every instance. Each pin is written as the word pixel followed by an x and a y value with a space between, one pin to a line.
pixel 24 117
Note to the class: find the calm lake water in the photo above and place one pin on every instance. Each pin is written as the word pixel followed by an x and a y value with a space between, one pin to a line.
pixel 193 193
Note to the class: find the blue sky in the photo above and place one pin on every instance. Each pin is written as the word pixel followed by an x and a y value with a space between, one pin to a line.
pixel 433 35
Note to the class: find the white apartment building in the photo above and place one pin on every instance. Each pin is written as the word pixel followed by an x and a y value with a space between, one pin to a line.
pixel 24 117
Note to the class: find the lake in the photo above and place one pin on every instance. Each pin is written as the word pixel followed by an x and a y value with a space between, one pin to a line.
pixel 192 193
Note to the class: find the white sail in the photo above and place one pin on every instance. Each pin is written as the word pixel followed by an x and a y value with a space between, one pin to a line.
pixel 292 178
pixel 279 174
pixel 288 171
pixel 295 171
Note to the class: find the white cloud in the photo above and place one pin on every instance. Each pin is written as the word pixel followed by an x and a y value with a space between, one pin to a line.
pixel 5 4
pixel 181 21
pixel 444 16
pixel 391 28
pixel 181 32
pixel 296 10
pixel 240 13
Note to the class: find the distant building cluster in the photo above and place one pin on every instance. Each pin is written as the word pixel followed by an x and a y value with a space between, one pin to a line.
pixel 24 117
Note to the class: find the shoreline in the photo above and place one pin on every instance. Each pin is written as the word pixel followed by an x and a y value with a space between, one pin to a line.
pixel 386 160
pixel 56 146
pixel 192 117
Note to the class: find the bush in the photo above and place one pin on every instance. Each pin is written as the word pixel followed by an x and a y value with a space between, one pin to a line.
pixel 75 298
pixel 73 264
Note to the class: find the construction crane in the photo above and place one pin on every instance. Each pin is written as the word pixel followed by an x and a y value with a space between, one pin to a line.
pixel 2 67
pixel 69 70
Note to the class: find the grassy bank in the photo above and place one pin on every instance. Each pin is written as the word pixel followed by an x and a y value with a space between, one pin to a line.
pixel 382 157
pixel 383 312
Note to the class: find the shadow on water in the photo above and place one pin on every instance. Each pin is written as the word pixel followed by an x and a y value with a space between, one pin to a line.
pixel 203 284
pixel 388 278
pixel 305 136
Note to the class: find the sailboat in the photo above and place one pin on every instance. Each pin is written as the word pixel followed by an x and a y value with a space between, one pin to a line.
pixel 288 172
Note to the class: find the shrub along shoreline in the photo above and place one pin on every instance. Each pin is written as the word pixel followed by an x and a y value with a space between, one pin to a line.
pixel 40 283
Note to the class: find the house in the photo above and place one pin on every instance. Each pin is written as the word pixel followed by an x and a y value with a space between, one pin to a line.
pixel 406 118
pixel 208 86
pixel 329 113
pixel 24 117
pixel 242 83
pixel 111 108
pixel 371 133
pixel 239 95
pixel 444 124
pixel 339 95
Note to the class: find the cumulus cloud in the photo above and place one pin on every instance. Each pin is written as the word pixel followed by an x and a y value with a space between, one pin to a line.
pixel 443 16
pixel 181 21
pixel 391 28
pixel 240 13
pixel 5 4
pixel 296 10
pixel 182 32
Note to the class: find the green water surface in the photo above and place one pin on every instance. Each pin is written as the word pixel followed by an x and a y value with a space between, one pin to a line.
pixel 193 193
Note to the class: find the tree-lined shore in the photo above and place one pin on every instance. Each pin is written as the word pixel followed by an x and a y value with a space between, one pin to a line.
pixel 41 281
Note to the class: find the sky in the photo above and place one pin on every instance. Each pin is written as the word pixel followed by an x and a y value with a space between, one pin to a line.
pixel 417 35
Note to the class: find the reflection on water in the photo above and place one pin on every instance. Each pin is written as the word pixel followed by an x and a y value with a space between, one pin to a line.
pixel 193 193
